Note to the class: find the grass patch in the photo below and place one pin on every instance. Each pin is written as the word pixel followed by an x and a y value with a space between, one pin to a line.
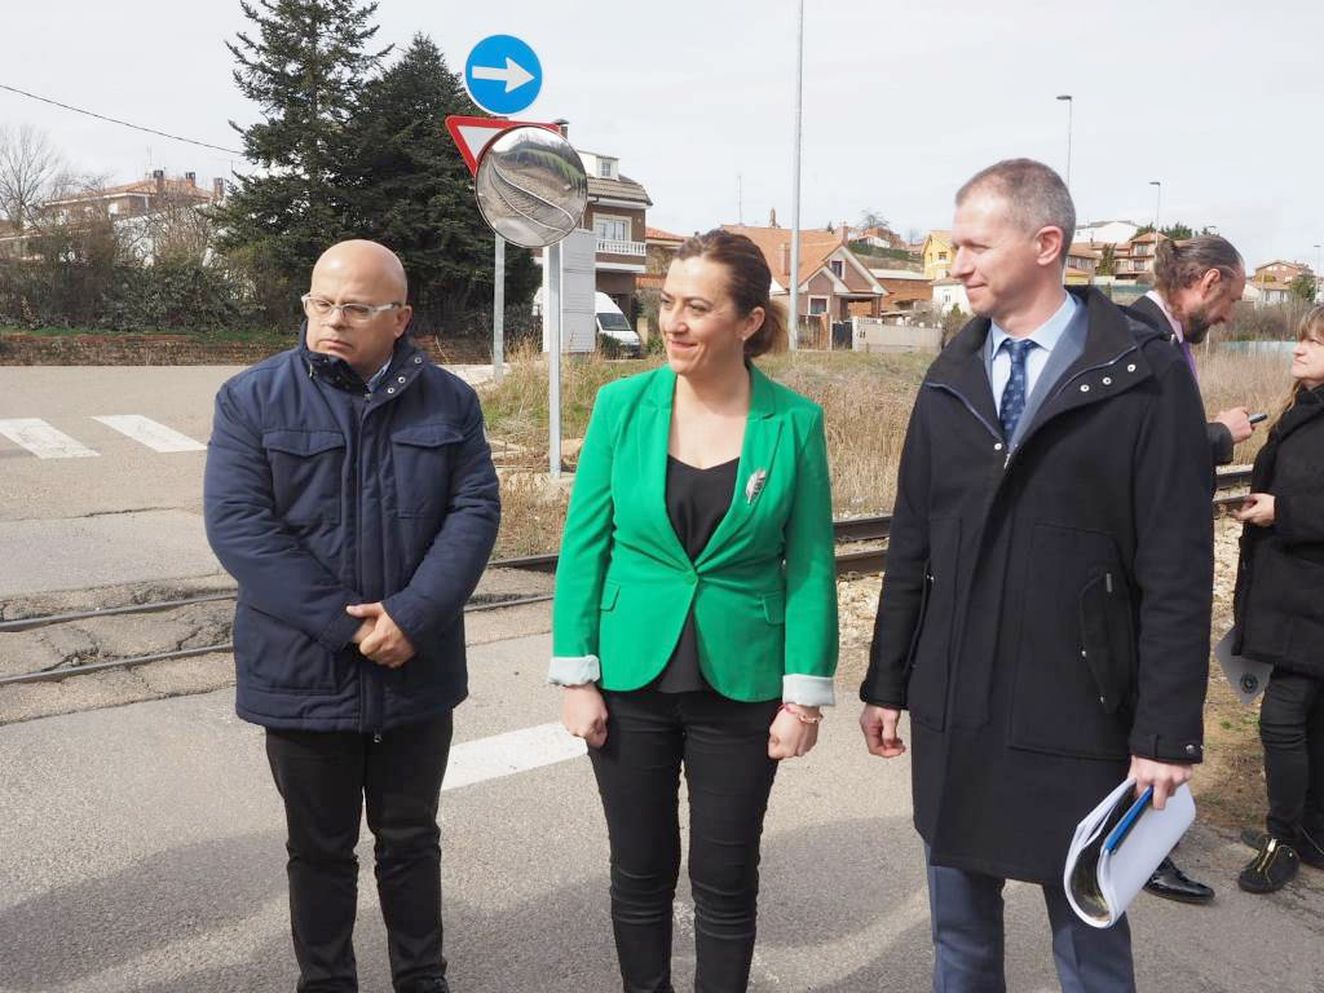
pixel 1258 381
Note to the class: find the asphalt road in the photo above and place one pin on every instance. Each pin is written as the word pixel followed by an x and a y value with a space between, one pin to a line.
pixel 142 849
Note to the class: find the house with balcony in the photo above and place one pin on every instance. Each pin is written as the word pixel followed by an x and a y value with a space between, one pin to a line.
pixel 616 211
pixel 1133 261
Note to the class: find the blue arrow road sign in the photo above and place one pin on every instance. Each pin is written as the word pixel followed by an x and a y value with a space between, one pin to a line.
pixel 503 75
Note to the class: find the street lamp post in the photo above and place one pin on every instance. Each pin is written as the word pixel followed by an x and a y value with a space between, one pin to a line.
pixel 1158 203
pixel 1070 104
pixel 795 187
pixel 1317 248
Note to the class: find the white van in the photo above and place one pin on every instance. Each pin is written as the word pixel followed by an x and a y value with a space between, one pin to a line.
pixel 613 324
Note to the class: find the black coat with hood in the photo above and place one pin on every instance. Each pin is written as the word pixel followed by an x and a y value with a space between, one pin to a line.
pixel 1045 611
pixel 1279 601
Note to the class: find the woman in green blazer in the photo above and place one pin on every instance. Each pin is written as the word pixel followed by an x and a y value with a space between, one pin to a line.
pixel 695 621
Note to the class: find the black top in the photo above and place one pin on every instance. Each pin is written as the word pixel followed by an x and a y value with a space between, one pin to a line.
pixel 697 500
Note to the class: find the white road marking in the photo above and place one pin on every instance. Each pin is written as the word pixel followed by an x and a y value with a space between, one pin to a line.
pixel 506 754
pixel 42 440
pixel 146 431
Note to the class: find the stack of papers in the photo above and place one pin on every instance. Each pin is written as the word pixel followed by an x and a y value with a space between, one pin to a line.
pixel 1118 846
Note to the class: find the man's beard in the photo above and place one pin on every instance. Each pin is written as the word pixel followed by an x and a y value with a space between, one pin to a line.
pixel 1196 326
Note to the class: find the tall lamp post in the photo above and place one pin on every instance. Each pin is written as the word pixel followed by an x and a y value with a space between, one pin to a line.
pixel 795 187
pixel 1070 104
pixel 1316 300
pixel 1158 203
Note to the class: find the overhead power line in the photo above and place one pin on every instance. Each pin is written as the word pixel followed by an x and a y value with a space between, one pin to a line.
pixel 114 120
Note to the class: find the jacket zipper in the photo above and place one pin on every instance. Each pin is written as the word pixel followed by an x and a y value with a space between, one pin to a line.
pixel 365 722
pixel 1006 459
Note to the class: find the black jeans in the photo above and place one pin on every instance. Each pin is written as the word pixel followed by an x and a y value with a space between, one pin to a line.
pixel 723 746
pixel 324 778
pixel 1292 730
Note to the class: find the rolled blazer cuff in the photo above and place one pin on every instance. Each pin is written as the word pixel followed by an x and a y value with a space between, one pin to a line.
pixel 808 691
pixel 574 670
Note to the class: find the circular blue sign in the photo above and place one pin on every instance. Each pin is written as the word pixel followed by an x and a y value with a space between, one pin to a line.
pixel 503 75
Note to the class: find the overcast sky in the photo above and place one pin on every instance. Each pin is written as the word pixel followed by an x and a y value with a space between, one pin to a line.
pixel 1220 101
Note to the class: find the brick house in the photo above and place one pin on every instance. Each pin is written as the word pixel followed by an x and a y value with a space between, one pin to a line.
pixel 835 283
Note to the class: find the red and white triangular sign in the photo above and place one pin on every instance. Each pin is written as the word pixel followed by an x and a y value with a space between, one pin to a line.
pixel 473 134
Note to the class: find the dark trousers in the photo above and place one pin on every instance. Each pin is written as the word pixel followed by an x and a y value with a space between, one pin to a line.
pixel 324 777
pixel 723 746
pixel 1292 730
pixel 966 912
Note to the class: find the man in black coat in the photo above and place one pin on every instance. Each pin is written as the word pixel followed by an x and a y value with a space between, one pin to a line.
pixel 1045 613
pixel 1196 284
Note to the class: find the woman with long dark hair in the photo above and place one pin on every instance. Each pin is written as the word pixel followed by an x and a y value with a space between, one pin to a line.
pixel 1279 609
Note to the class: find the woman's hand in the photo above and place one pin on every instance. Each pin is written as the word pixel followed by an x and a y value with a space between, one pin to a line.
pixel 789 737
pixel 1257 510
pixel 584 714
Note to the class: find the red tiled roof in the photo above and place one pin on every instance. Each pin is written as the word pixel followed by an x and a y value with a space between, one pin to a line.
pixel 815 247
pixel 657 234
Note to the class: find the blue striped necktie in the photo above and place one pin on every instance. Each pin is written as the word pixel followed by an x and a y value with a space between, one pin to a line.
pixel 1013 394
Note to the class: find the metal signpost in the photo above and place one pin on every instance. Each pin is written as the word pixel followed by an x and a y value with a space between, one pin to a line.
pixel 531 186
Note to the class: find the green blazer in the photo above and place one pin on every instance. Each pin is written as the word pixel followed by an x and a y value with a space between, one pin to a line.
pixel 763 590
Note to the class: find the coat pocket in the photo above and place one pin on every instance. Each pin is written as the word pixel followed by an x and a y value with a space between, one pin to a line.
pixel 277 656
pixel 929 664
pixel 1075 653
pixel 424 457
pixel 1107 640
pixel 307 474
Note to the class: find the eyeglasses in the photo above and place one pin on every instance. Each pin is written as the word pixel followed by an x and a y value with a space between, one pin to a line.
pixel 355 313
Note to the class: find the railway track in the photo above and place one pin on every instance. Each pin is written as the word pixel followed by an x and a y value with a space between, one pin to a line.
pixel 850 533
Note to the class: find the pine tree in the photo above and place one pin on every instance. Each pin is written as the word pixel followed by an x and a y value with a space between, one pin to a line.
pixel 304 68
pixel 410 189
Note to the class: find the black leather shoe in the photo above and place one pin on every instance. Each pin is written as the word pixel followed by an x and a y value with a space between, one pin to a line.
pixel 1171 883
pixel 1309 850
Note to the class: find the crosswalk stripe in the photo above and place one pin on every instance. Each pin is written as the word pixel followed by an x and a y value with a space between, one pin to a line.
pixel 42 440
pixel 148 432
pixel 506 754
